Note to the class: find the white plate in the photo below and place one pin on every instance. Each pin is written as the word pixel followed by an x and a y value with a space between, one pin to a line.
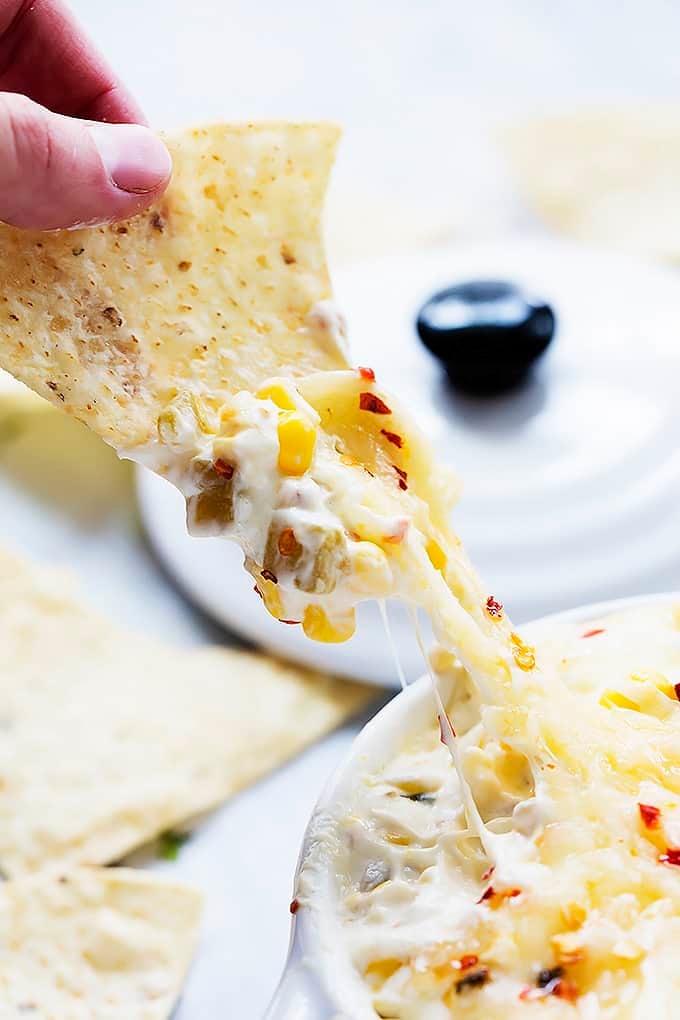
pixel 561 478
pixel 318 984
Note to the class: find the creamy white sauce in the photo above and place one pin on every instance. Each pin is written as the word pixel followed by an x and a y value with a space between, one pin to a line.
pixel 402 887
pixel 328 327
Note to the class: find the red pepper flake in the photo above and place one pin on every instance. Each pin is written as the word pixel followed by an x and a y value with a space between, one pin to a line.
pixel 650 815
pixel 292 622
pixel 501 894
pixel 487 894
pixel 294 905
pixel 403 477
pixel 258 591
pixel 467 961
pixel 223 469
pixel 393 437
pixel 399 533
pixel 488 873
pixel 565 990
pixel 676 688
pixel 371 402
pixel 366 373
pixel 593 633
pixel 550 981
pixel 442 735
pixel 269 575
pixel 672 856
pixel 560 989
pixel 494 608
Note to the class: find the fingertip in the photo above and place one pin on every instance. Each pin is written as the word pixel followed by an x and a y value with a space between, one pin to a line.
pixel 58 172
pixel 135 160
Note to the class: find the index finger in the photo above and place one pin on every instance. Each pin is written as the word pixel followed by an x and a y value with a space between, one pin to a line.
pixel 45 54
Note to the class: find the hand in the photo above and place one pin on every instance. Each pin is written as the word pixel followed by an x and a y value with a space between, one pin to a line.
pixel 73 148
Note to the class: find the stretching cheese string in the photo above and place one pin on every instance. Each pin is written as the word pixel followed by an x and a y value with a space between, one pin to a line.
pixel 382 606
pixel 448 735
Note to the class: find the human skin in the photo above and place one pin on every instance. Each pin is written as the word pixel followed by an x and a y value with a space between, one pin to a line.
pixel 74 145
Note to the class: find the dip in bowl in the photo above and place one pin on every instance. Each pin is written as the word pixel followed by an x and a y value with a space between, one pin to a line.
pixel 398 912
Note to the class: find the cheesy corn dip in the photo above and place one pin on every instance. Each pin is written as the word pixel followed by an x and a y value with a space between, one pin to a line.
pixel 564 899
pixel 521 851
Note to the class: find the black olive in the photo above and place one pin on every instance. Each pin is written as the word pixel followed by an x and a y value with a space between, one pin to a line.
pixel 486 333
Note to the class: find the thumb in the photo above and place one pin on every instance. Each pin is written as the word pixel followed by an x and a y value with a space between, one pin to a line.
pixel 61 172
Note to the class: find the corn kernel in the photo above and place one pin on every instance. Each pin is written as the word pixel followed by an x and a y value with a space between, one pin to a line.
pixel 167 426
pixel 201 414
pixel 318 627
pixel 380 971
pixel 279 395
pixel 271 598
pixel 655 682
pixel 397 838
pixel 436 554
pixel 615 699
pixel 297 439
pixel 569 946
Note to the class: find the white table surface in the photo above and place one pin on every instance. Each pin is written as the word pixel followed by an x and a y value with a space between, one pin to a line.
pixel 420 88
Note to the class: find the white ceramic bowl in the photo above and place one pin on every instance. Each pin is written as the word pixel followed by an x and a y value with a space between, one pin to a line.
pixel 317 983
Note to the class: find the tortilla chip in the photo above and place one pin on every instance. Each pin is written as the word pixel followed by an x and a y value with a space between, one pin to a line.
pixel 108 739
pixel 154 332
pixel 605 176
pixel 94 944
pixel 213 284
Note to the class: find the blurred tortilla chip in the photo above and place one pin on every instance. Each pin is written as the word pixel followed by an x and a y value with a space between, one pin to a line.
pixel 95 944
pixel 606 176
pixel 17 395
pixel 109 738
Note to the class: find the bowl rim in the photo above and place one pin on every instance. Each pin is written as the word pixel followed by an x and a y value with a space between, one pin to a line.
pixel 304 981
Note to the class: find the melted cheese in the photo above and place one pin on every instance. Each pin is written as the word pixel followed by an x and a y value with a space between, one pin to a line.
pixel 581 792
pixel 366 518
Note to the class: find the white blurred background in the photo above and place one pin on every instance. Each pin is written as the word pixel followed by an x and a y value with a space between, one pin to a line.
pixel 420 86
